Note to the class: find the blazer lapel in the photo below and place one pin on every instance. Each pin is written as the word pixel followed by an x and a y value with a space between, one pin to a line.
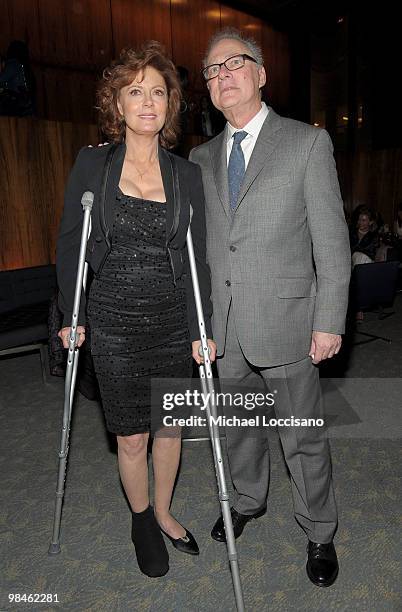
pixel 267 141
pixel 220 168
pixel 112 184
pixel 170 185
pixel 172 193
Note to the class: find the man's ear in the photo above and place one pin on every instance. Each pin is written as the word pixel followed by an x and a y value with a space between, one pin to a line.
pixel 262 76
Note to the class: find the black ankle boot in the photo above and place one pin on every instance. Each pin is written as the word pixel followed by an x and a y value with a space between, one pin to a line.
pixel 150 548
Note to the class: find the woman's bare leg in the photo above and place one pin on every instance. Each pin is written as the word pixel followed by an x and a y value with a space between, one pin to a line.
pixel 166 456
pixel 133 468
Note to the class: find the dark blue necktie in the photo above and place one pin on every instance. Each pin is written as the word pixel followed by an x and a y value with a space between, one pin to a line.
pixel 236 168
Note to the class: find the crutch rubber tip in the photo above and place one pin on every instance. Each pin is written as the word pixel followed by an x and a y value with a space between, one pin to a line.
pixel 54 549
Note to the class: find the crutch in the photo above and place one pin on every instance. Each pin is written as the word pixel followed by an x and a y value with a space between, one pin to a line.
pixel 207 385
pixel 71 372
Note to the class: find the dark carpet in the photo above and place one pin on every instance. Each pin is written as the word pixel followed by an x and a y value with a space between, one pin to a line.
pixel 97 571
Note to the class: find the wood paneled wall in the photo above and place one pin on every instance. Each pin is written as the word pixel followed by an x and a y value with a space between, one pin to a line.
pixel 71 42
pixel 134 22
pixel 192 26
pixel 373 178
pixel 36 158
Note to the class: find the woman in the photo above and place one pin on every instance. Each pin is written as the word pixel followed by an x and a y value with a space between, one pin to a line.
pixel 140 308
pixel 398 222
pixel 398 232
pixel 363 240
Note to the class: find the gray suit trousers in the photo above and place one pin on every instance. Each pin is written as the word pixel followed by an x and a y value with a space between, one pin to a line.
pixel 306 449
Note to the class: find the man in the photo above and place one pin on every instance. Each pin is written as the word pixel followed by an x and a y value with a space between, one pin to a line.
pixel 278 249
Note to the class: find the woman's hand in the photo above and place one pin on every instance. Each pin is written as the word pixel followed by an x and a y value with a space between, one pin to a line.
pixel 212 351
pixel 64 334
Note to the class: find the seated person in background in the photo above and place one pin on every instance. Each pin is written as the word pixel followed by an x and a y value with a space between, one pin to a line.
pixel 363 240
pixel 363 243
pixel 377 222
pixel 398 231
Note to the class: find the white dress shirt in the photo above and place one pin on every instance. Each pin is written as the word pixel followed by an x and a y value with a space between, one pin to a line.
pixel 253 128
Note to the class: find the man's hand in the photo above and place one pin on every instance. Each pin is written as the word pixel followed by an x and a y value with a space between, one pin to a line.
pixel 324 346
pixel 196 346
pixel 64 334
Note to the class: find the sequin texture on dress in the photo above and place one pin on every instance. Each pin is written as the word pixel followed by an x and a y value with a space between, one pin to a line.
pixel 137 316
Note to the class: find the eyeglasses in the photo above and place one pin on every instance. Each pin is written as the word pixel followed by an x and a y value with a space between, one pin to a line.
pixel 232 63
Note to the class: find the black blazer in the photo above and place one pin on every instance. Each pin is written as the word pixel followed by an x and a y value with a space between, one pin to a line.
pixel 182 188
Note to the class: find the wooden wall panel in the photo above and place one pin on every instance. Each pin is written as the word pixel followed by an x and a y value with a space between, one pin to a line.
pixel 22 215
pixel 36 157
pixel 275 47
pixel 69 95
pixel 141 20
pixel 76 34
pixel 239 19
pixel 372 178
pixel 397 192
pixel 193 23
pixel 19 21
pixel 59 143
pixel 70 42
pixel 83 36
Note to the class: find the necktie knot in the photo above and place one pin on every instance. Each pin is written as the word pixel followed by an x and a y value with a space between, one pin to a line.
pixel 238 137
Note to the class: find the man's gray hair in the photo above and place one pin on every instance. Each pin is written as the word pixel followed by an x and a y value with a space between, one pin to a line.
pixel 235 34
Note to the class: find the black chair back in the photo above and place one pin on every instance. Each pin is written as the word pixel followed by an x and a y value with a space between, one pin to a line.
pixel 374 284
pixel 26 286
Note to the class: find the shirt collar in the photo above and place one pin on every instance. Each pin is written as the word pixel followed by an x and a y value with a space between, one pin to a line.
pixel 254 126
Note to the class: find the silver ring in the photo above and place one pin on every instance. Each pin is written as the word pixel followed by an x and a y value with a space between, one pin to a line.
pixel 201 352
pixel 76 335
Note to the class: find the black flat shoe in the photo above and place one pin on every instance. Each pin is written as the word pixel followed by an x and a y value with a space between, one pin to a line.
pixel 150 547
pixel 186 544
pixel 322 564
pixel 239 521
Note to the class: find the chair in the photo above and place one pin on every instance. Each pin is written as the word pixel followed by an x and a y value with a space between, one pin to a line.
pixel 374 285
pixel 392 254
pixel 24 306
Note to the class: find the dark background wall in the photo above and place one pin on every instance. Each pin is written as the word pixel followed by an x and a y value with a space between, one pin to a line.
pixel 355 57
pixel 334 64
pixel 71 42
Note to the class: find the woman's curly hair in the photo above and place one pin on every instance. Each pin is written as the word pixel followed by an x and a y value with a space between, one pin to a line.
pixel 121 73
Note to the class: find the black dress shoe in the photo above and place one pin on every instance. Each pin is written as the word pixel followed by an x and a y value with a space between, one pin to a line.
pixel 186 544
pixel 322 564
pixel 239 522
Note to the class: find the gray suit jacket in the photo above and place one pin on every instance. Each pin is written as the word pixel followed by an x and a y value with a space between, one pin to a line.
pixel 283 257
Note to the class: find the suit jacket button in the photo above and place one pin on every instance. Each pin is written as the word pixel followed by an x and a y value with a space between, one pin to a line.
pixel 228 283
pixel 98 238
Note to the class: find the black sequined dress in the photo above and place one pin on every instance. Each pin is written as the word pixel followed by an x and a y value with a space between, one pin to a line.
pixel 138 318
